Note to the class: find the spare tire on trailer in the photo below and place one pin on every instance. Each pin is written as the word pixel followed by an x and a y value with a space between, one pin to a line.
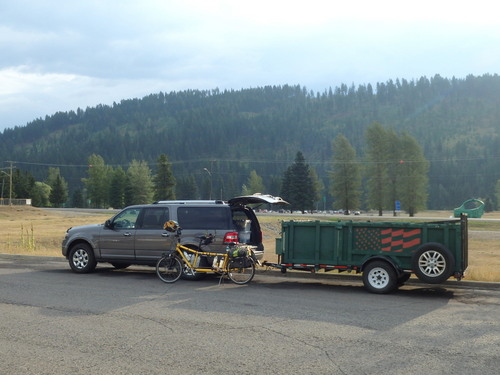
pixel 433 263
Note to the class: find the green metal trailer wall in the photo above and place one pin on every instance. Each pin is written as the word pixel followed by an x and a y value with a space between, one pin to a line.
pixel 348 245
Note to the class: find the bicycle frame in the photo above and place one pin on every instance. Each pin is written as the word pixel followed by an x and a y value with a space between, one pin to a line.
pixel 169 268
pixel 180 249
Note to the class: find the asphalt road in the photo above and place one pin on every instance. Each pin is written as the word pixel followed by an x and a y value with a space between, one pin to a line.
pixel 128 322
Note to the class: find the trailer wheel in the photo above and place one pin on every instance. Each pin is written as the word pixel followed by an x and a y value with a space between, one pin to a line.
pixel 433 263
pixel 380 277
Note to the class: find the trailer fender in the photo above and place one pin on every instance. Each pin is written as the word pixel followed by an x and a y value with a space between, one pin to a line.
pixel 389 260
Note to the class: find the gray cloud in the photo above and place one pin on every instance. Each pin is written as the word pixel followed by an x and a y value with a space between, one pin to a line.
pixel 59 56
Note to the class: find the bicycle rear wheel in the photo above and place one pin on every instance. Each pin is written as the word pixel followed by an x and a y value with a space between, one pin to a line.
pixel 169 269
pixel 241 275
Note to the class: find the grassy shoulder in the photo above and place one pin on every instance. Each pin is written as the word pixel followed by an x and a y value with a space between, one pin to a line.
pixel 35 231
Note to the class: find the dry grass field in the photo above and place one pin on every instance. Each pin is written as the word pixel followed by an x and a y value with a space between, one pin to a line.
pixel 34 231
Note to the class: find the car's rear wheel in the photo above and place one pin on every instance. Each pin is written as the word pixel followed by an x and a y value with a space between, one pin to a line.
pixel 81 258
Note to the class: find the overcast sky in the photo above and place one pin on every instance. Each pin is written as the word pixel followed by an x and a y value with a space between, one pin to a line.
pixel 60 55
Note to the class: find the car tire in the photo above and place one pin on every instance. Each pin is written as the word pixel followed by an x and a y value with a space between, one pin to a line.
pixel 81 258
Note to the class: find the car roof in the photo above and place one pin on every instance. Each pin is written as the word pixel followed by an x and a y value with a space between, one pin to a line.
pixel 191 202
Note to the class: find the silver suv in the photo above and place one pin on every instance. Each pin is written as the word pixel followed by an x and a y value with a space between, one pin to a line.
pixel 136 235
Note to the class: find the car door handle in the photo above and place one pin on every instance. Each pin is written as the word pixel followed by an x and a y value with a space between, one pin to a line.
pixel 127 234
pixel 165 235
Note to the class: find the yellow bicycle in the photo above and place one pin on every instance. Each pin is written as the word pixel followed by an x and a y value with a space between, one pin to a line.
pixel 238 263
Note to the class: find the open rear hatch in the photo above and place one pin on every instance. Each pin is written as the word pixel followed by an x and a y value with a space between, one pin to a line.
pixel 256 199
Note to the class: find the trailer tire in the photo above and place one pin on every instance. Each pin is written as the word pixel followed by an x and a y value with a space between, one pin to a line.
pixel 380 277
pixel 433 263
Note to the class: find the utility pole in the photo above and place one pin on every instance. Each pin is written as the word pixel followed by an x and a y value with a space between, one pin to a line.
pixel 10 180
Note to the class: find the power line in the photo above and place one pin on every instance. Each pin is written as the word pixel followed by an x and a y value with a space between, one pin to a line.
pixel 256 161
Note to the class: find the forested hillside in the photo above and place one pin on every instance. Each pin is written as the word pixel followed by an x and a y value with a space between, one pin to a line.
pixel 231 133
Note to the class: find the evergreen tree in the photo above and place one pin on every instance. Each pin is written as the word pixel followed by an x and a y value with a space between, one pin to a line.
pixel 77 199
pixel 139 188
pixel 98 182
pixel 117 188
pixel 394 156
pixel 254 184
pixel 414 180
pixel 23 183
pixel 377 157
pixel 58 187
pixel 345 175
pixel 318 186
pixel 164 181
pixel 59 192
pixel 186 188
pixel 297 187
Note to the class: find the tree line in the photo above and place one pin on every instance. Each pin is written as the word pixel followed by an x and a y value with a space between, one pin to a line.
pixel 234 132
pixel 394 169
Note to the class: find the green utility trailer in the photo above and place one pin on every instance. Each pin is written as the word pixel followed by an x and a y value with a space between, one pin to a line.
pixel 386 253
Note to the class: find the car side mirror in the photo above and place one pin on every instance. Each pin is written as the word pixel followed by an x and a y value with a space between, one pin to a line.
pixel 107 224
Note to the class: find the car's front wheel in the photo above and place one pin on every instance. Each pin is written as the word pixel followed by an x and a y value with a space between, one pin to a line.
pixel 81 258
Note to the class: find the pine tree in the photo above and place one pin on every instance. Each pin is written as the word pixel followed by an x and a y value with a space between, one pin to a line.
pixel 139 183
pixel 77 200
pixel 254 184
pixel 23 183
pixel 297 187
pixel 318 186
pixel 117 188
pixel 414 179
pixel 58 187
pixel 98 182
pixel 59 192
pixel 345 175
pixel 394 156
pixel 186 188
pixel 377 156
pixel 164 181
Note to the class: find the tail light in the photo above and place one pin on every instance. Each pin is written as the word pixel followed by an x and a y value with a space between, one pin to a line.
pixel 231 237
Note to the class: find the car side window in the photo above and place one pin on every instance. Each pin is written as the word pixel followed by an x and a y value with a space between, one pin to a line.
pixel 154 217
pixel 203 217
pixel 126 219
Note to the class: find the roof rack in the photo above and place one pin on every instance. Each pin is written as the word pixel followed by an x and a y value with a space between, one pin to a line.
pixel 191 202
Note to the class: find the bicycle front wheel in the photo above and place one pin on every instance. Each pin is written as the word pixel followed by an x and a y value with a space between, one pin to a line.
pixel 169 269
pixel 241 275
